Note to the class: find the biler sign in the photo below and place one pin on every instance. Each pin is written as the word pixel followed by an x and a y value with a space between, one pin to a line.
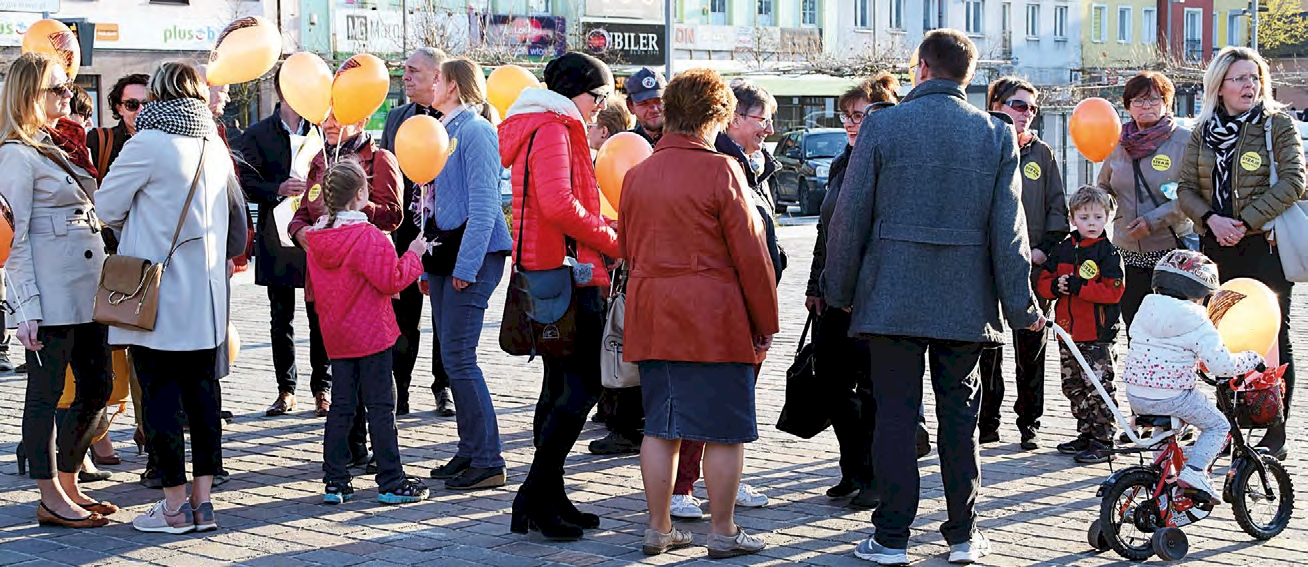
pixel 625 44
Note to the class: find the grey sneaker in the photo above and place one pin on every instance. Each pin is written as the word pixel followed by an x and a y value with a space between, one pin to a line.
pixel 162 520
pixel 204 521
pixel 5 364
pixel 970 551
pixel 720 547
pixel 870 550
pixel 657 542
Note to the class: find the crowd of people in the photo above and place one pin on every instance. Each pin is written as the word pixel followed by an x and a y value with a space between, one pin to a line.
pixel 927 184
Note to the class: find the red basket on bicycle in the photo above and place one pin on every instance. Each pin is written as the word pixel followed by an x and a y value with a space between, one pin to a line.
pixel 1260 399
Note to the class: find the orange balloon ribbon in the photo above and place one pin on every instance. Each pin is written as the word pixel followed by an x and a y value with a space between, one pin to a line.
pixel 52 37
pixel 422 146
pixel 616 157
pixel 1096 128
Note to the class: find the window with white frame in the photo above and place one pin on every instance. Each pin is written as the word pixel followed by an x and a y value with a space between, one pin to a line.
pixel 1235 28
pixel 896 14
pixel 1033 20
pixel 1217 25
pixel 1098 23
pixel 1194 34
pixel 973 15
pixel 930 14
pixel 808 12
pixel 718 12
pixel 1149 26
pixel 863 13
pixel 1060 22
pixel 1124 24
pixel 539 6
pixel 765 14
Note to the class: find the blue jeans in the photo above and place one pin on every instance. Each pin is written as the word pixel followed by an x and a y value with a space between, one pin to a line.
pixel 457 320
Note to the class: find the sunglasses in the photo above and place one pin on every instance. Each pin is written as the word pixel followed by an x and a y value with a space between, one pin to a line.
pixel 133 104
pixel 599 97
pixel 1022 106
pixel 64 89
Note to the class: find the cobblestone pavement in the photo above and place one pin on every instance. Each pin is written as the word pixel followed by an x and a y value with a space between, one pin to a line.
pixel 1034 506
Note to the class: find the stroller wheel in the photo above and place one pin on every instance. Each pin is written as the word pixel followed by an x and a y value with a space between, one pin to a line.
pixel 1170 544
pixel 1096 537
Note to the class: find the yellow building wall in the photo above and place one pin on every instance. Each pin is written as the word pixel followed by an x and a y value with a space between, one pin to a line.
pixel 1110 52
pixel 1223 9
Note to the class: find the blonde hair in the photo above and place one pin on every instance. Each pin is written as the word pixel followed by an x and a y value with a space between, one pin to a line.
pixel 467 74
pixel 23 113
pixel 175 80
pixel 1089 196
pixel 341 183
pixel 615 117
pixel 1216 75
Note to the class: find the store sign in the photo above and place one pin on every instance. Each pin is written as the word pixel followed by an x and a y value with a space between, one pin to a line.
pixel 33 6
pixel 625 44
pixel 364 30
pixel 747 38
pixel 705 38
pixel 539 37
pixel 634 9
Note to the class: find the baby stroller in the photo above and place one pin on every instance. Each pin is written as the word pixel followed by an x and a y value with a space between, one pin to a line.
pixel 1144 507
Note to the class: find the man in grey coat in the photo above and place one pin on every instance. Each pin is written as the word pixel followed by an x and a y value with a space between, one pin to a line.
pixel 927 240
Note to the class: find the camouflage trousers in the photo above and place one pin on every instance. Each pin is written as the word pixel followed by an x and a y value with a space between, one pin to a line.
pixel 1093 418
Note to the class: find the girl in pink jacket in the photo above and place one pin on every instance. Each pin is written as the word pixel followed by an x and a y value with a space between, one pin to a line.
pixel 355 273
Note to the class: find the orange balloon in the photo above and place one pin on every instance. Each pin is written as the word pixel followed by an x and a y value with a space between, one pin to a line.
pixel 246 49
pixel 912 68
pixel 233 342
pixel 360 88
pixel 1096 128
pixel 504 85
pixel 421 147
pixel 6 231
pixel 1253 322
pixel 620 153
pixel 306 84
pixel 606 209
pixel 54 38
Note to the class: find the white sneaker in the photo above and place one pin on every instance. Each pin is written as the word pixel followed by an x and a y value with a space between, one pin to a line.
pixel 749 497
pixel 1198 480
pixel 970 551
pixel 686 507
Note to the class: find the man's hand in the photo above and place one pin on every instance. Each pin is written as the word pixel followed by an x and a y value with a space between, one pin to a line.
pixel 291 188
pixel 1038 257
pixel 231 268
pixel 762 343
pixel 1038 325
pixel 27 335
pixel 459 285
pixel 1138 229
pixel 815 305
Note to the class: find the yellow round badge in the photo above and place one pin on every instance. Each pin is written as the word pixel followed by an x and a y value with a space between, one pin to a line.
pixel 454 143
pixel 1089 270
pixel 314 192
pixel 1031 171
pixel 1250 161
pixel 1161 163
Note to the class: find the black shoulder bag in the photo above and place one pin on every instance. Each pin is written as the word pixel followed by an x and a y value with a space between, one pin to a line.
pixel 539 315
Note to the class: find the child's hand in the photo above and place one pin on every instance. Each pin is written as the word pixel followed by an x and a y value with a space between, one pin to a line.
pixel 1062 284
pixel 418 246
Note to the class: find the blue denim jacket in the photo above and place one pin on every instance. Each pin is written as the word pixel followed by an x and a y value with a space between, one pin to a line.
pixel 468 189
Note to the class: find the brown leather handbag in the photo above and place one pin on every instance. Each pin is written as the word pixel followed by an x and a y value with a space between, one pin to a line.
pixel 128 295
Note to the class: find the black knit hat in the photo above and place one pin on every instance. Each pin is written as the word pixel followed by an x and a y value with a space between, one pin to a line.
pixel 575 73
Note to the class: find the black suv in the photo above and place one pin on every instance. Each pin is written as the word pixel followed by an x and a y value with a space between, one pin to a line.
pixel 805 162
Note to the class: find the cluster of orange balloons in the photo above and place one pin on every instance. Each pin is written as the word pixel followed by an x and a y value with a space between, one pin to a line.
pixel 356 91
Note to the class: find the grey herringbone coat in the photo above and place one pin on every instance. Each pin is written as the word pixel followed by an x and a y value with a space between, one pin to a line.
pixel 928 236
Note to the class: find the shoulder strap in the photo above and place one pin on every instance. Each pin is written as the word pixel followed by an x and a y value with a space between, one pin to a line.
pixel 186 207
pixel 1271 152
pixel 526 182
pixel 105 147
pixel 1142 186
pixel 62 162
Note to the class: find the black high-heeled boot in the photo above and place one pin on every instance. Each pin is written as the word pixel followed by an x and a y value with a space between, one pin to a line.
pixel 528 516
pixel 568 511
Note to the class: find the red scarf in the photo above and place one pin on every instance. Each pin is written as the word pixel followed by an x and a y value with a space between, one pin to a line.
pixel 70 137
pixel 1140 144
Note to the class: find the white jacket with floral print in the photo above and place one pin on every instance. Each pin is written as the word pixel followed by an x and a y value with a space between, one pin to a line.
pixel 1169 338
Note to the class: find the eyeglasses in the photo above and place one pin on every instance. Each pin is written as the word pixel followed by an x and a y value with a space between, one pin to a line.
pixel 1145 102
pixel 599 97
pixel 855 118
pixel 133 104
pixel 1244 79
pixel 58 90
pixel 1022 106
pixel 763 122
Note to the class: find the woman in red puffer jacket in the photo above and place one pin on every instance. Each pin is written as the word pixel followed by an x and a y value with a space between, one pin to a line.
pixel 556 214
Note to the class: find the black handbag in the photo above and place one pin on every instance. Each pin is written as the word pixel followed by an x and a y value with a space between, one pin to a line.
pixel 444 253
pixel 540 317
pixel 804 414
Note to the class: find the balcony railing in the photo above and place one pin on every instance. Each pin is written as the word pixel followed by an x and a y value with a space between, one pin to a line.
pixel 1006 45
pixel 1194 50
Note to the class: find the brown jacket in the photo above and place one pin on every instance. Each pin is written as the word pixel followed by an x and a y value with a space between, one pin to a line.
pixel 701 282
pixel 1257 202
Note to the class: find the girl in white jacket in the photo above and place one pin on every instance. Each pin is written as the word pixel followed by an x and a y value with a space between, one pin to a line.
pixel 1170 336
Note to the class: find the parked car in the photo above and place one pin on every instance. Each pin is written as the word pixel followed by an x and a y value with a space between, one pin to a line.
pixel 805 163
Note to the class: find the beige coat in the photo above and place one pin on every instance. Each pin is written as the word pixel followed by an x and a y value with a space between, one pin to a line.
pixel 143 197
pixel 1164 166
pixel 54 266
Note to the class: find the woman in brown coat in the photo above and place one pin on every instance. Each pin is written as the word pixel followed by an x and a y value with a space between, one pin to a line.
pixel 701 307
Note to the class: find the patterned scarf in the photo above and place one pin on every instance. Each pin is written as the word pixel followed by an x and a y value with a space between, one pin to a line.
pixel 180 117
pixel 70 138
pixel 349 148
pixel 1140 144
pixel 1220 133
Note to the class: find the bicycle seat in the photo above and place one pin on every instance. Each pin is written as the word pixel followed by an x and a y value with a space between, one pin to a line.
pixel 1163 422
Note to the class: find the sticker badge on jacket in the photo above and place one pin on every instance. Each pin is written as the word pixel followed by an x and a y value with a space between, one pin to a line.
pixel 1161 163
pixel 1089 270
pixel 1031 171
pixel 1250 161
pixel 314 192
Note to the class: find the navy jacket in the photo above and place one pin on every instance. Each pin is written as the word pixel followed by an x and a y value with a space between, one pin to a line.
pixel 263 155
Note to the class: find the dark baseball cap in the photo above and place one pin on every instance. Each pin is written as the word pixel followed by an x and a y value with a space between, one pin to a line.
pixel 646 84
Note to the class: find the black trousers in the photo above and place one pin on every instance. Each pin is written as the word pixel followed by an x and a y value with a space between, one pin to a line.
pixel 1254 258
pixel 282 337
pixel 86 348
pixel 897 388
pixel 1139 283
pixel 363 382
pixel 570 388
pixel 408 315
pixel 844 367
pixel 628 417
pixel 1029 353
pixel 177 385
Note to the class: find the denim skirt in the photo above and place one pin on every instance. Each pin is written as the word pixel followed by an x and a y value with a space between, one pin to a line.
pixel 699 401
